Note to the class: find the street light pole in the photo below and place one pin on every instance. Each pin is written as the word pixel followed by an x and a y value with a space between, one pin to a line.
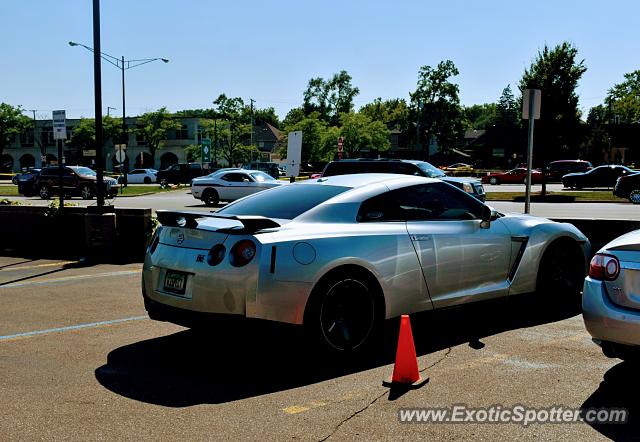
pixel 124 130
pixel 97 80
pixel 121 64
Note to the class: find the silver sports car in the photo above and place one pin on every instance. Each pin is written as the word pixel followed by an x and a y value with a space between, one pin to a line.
pixel 341 254
pixel 611 300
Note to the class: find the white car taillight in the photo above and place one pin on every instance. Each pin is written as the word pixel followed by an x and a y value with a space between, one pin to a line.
pixel 604 267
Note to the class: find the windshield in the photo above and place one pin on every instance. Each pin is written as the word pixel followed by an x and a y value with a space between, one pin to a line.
pixel 431 171
pixel 85 171
pixel 261 177
pixel 283 202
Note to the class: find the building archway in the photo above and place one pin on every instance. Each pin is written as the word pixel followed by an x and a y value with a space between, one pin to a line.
pixel 27 161
pixel 167 159
pixel 144 161
pixel 6 163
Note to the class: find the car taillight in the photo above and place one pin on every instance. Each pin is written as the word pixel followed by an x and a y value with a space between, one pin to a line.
pixel 242 253
pixel 154 243
pixel 604 267
pixel 216 255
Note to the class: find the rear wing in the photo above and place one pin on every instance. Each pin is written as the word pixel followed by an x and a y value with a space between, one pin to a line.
pixel 250 224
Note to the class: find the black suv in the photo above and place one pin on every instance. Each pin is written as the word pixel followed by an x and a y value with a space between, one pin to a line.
pixel 181 173
pixel 76 181
pixel 405 167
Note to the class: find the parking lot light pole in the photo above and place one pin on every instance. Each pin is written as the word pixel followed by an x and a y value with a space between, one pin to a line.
pixel 123 65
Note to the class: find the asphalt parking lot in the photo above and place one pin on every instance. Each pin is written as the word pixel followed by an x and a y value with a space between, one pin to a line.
pixel 79 360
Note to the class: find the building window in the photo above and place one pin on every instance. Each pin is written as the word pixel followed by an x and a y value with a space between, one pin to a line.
pixel 26 138
pixel 140 139
pixel 182 133
pixel 46 136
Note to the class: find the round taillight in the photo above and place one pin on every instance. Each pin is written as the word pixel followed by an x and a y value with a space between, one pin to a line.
pixel 604 267
pixel 216 255
pixel 242 253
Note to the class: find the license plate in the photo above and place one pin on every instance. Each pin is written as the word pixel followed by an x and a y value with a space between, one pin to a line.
pixel 175 282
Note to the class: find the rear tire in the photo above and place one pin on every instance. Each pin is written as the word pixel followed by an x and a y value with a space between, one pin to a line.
pixel 86 192
pixel 44 192
pixel 494 181
pixel 147 180
pixel 210 197
pixel 345 314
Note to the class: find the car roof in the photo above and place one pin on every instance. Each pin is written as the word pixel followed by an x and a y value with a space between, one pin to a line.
pixel 365 179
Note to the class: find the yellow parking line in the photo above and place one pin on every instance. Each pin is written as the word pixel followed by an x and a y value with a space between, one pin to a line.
pixel 37 266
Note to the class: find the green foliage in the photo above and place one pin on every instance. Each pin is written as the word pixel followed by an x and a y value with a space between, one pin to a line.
pixel 480 116
pixel 294 116
pixel 12 123
pixel 360 132
pixel 623 100
pixel 394 113
pixel 154 126
pixel 331 97
pixel 84 134
pixel 438 105
pixel 313 137
pixel 54 207
pixel 8 202
pixel 556 72
pixel 507 109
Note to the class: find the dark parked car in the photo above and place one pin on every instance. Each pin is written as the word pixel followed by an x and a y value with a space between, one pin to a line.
pixel 557 169
pixel 268 168
pixel 181 173
pixel 601 176
pixel 628 186
pixel 405 167
pixel 26 182
pixel 76 181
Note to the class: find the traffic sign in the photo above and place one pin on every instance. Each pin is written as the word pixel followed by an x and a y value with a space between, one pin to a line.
pixel 206 150
pixel 121 152
pixel 527 95
pixel 59 125
pixel 340 146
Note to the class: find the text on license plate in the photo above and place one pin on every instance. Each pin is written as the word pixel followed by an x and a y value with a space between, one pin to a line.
pixel 175 282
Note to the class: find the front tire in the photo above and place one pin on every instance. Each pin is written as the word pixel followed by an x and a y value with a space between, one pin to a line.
pixel 344 315
pixel 634 196
pixel 494 181
pixel 147 180
pixel 210 197
pixel 561 274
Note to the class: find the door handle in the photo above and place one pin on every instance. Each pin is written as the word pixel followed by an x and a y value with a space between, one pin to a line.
pixel 420 237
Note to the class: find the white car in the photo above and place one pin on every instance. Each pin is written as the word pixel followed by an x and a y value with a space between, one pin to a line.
pixel 140 176
pixel 230 185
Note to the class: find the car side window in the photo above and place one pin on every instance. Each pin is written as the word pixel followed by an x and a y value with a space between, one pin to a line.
pixel 424 202
pixel 234 177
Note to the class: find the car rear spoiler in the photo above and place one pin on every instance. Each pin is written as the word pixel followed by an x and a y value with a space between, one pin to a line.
pixel 250 224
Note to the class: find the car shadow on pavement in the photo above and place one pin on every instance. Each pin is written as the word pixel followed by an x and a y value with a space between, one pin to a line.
pixel 223 365
pixel 619 389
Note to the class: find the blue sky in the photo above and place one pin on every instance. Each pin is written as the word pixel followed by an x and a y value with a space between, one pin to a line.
pixel 268 50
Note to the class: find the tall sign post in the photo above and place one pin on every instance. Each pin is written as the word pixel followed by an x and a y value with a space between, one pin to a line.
pixel 530 111
pixel 60 134
pixel 294 154
pixel 205 151
pixel 340 147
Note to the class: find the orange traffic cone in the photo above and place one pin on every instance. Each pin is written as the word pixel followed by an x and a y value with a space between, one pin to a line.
pixel 405 370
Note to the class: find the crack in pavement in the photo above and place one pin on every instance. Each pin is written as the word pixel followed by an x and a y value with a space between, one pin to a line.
pixel 363 409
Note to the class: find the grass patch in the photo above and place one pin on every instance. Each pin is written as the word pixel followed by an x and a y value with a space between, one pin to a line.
pixel 586 196
pixel 131 190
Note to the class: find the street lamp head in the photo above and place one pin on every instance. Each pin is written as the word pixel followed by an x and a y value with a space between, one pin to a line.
pixel 166 60
pixel 73 43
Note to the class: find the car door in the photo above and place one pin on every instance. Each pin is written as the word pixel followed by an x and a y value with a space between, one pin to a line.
pixel 69 180
pixel 233 185
pixel 460 260
pixel 135 176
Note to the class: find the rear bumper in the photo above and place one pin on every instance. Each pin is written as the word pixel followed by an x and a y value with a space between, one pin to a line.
pixel 606 321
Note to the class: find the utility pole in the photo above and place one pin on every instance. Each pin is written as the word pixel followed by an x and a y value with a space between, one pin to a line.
pixel 419 113
pixel 43 159
pixel 252 101
pixel 109 108
pixel 215 143
pixel 97 82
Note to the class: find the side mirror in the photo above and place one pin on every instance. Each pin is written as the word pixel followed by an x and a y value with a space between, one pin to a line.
pixel 487 217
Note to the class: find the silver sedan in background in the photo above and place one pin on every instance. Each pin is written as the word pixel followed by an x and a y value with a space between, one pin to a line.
pixel 339 255
pixel 231 184
pixel 611 297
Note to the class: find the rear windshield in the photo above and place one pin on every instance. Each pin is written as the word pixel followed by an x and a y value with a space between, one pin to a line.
pixel 284 202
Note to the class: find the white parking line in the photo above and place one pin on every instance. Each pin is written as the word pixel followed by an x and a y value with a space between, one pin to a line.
pixel 70 327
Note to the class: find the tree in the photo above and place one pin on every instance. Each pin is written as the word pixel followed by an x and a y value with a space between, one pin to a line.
pixel 313 137
pixel 84 134
pixel 480 116
pixel 394 113
pixel 12 123
pixel 154 126
pixel 437 105
pixel 556 72
pixel 360 132
pixel 507 109
pixel 331 97
pixel 623 100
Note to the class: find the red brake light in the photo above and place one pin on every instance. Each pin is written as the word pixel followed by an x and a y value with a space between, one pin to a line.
pixel 242 253
pixel 604 267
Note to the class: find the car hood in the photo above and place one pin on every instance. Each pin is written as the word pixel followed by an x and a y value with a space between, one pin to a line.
pixel 460 180
pixel 573 174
